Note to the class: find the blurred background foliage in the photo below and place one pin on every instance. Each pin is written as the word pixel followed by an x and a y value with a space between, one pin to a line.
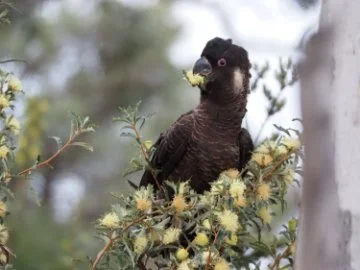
pixel 89 57
pixel 91 62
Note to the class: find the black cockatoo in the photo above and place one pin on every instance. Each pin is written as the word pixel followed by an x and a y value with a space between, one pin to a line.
pixel 209 139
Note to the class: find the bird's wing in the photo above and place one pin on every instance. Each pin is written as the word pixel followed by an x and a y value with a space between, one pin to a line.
pixel 246 147
pixel 169 149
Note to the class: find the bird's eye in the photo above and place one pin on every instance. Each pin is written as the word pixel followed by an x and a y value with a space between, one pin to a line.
pixel 221 62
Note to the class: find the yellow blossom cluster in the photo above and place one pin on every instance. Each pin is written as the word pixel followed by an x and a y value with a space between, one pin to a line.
pixel 184 265
pixel 265 215
pixel 143 198
pixel 222 264
pixel 4 102
pixel 14 84
pixel 171 235
pixel 269 150
pixel 201 239
pixel 232 240
pixel 179 203
pixel 262 159
pixel 4 234
pixel 140 244
pixel 3 209
pixel 13 125
pixel 193 79
pixel 147 144
pixel 263 192
pixel 182 254
pixel 110 220
pixel 4 151
pixel 218 217
pixel 229 220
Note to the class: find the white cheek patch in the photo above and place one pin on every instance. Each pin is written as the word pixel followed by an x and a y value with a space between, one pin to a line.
pixel 238 80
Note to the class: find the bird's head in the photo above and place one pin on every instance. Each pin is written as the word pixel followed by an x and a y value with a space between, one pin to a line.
pixel 225 67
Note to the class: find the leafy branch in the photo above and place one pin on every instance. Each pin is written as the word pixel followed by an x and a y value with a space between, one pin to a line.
pixel 132 124
pixel 208 230
pixel 276 103
pixel 79 126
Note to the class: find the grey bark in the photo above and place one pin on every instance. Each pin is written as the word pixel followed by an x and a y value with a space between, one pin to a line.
pixel 329 236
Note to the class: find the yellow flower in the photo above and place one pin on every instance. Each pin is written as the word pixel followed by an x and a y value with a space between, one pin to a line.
pixel 292 223
pixel 291 143
pixel 171 235
pixel 110 220
pixel 232 241
pixel 289 175
pixel 263 192
pixel 261 159
pixel 267 147
pixel 148 144
pixel 4 257
pixel 265 215
pixel 140 244
pixel 179 203
pixel 281 150
pixel 145 193
pixel 183 187
pixel 240 201
pixel 184 265
pixel 237 188
pixel 222 264
pixel 4 102
pixel 4 234
pixel 201 239
pixel 193 79
pixel 7 178
pixel 232 173
pixel 217 187
pixel 14 84
pixel 3 209
pixel 142 204
pixel 13 124
pixel 182 254
pixel 206 224
pixel 207 199
pixel 229 220
pixel 4 150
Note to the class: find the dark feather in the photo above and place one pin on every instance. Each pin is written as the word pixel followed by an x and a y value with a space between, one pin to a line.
pixel 169 149
pixel 246 148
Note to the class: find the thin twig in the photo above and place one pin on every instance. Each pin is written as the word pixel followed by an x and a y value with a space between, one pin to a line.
pixel 47 162
pixel 102 252
pixel 276 264
pixel 281 161
pixel 144 152
pixel 273 103
pixel 12 60
pixel 108 245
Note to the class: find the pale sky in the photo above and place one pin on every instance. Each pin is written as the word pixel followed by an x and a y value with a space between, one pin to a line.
pixel 268 29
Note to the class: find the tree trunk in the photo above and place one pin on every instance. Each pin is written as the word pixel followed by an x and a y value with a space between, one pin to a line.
pixel 329 236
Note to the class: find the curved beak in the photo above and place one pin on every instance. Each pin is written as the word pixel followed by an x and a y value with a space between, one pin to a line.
pixel 202 67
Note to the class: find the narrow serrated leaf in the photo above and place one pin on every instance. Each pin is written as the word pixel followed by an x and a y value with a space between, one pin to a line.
pixel 84 145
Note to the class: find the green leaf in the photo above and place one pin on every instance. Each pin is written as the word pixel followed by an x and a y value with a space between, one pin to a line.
pixel 58 141
pixel 84 145
pixel 36 195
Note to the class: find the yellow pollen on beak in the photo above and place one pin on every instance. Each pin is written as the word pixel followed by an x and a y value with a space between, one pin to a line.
pixel 193 79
